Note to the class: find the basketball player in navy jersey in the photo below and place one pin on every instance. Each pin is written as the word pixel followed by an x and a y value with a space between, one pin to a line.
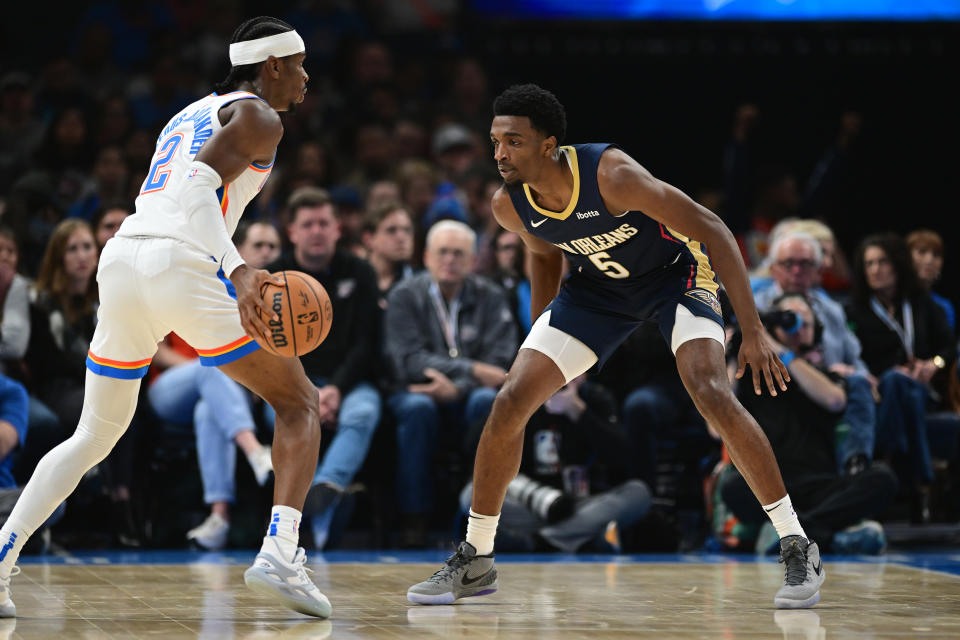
pixel 629 239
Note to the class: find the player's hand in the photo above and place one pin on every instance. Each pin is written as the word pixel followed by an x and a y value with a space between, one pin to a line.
pixel 248 283
pixel 758 351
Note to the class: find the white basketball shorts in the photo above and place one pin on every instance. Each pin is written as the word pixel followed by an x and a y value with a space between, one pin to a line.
pixel 152 286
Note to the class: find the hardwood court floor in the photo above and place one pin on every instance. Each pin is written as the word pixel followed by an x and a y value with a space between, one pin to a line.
pixel 616 599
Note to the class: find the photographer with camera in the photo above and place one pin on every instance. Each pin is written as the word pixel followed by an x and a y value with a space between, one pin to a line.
pixel 570 494
pixel 800 424
pixel 796 264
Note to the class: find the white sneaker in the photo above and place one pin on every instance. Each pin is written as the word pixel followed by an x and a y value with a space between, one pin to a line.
pixel 7 608
pixel 271 575
pixel 262 465
pixel 211 535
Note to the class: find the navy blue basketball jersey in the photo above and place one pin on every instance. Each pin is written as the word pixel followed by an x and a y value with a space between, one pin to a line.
pixel 612 252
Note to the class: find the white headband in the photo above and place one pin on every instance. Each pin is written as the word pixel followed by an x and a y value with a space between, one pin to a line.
pixel 279 45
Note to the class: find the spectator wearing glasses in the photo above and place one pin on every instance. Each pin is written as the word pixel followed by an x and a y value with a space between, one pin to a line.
pixel 795 262
pixel 449 335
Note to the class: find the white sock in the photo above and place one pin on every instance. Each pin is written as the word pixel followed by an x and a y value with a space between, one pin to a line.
pixel 481 530
pixel 284 529
pixel 12 537
pixel 784 518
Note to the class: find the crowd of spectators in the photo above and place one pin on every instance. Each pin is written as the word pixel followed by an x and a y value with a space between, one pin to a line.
pixel 381 190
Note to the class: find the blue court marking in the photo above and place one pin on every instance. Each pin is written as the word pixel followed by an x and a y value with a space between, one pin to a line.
pixel 944 562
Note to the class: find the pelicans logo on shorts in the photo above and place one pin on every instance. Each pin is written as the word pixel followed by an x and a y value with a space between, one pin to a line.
pixel 706 298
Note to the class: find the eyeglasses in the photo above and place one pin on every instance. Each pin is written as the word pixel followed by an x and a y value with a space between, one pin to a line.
pixel 790 263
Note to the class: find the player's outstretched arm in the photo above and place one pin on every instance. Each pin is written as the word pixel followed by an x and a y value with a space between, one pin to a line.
pixel 251 133
pixel 545 261
pixel 627 186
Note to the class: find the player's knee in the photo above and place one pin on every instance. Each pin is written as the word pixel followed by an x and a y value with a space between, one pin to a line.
pixel 299 404
pixel 511 405
pixel 708 392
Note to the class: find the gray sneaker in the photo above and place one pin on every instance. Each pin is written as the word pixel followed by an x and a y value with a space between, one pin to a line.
pixel 803 574
pixel 287 582
pixel 464 575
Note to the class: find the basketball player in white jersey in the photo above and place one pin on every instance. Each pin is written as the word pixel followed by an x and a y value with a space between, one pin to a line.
pixel 173 267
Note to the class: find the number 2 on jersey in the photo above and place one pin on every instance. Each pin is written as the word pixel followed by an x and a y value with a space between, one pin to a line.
pixel 157 176
pixel 609 267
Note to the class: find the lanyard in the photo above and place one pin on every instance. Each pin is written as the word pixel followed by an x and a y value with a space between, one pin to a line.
pixel 448 319
pixel 905 332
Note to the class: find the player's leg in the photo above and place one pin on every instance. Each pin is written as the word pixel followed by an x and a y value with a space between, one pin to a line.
pixel 279 570
pixel 547 359
pixel 282 383
pixel 120 352
pixel 698 345
pixel 220 341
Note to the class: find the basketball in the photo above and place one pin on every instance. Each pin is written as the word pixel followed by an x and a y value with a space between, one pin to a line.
pixel 305 313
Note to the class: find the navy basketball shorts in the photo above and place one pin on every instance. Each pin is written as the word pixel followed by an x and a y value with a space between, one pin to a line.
pixel 588 319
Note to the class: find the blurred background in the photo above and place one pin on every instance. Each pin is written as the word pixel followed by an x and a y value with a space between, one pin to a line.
pixel 838 110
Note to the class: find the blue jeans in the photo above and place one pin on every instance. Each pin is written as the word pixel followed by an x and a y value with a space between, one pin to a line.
pixel 219 409
pixel 359 416
pixel 418 419
pixel 902 424
pixel 861 417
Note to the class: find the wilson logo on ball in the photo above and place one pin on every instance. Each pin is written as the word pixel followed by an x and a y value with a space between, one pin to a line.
pixel 276 326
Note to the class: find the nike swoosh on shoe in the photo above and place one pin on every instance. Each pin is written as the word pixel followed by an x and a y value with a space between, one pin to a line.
pixel 467 581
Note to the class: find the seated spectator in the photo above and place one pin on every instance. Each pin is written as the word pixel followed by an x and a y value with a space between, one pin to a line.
pixel 449 335
pixel 341 367
pixel 107 220
pixel 509 271
pixel 388 237
pixel 908 345
pixel 796 265
pixel 570 494
pixel 926 249
pixel 800 424
pixel 258 243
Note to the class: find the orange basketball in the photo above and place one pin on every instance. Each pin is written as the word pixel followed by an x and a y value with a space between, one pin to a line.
pixel 305 314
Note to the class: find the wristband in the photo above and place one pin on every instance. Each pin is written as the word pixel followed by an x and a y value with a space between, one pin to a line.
pixel 786 357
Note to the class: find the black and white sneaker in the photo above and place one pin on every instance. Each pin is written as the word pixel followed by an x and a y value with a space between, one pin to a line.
pixel 803 573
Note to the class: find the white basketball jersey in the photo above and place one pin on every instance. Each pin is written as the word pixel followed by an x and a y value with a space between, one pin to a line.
pixel 158 210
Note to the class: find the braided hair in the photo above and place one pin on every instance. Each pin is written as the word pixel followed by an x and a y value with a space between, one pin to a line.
pixel 254 28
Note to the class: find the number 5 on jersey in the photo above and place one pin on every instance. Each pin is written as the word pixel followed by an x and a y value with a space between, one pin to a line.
pixel 610 267
pixel 157 176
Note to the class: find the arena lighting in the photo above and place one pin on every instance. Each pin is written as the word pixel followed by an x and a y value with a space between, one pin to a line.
pixel 729 10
